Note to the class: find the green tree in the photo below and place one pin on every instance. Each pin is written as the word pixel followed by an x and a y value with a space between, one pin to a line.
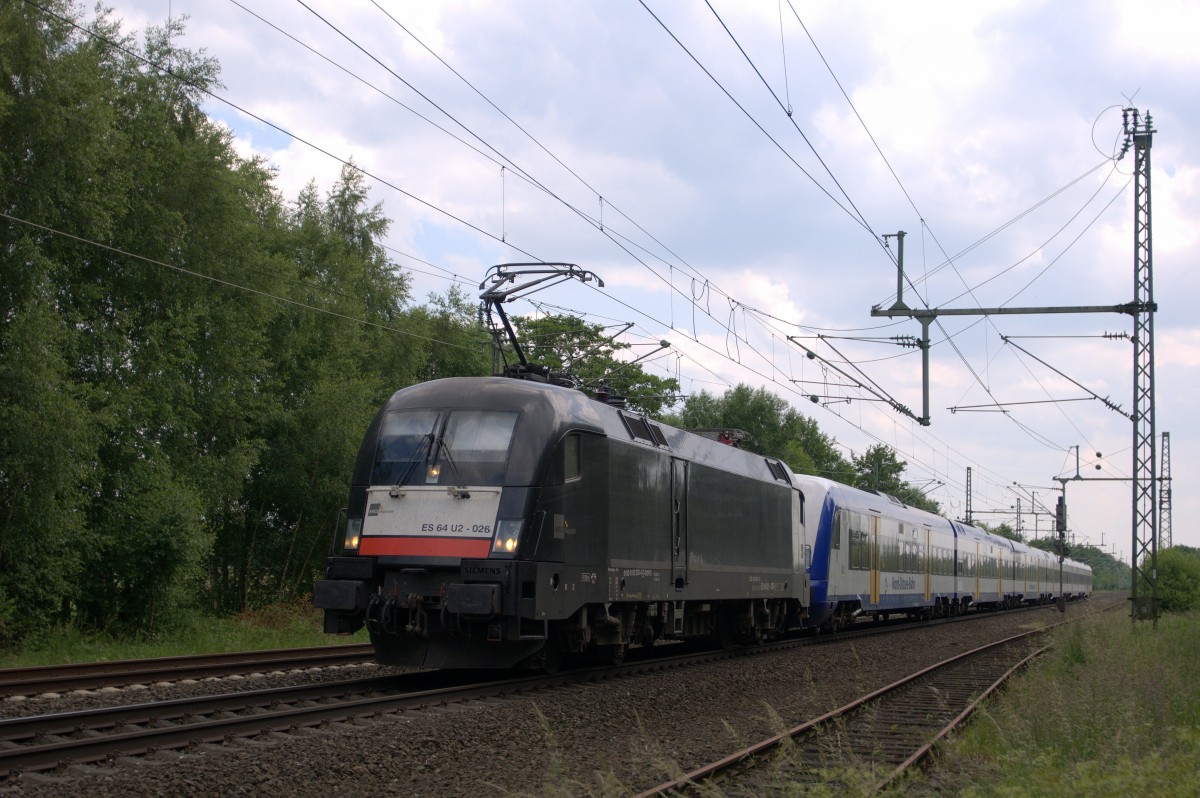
pixel 776 429
pixel 878 468
pixel 1004 530
pixel 1179 579
pixel 325 378
pixel 456 344
pixel 81 125
pixel 588 353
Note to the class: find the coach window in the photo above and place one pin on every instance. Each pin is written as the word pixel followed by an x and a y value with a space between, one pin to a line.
pixel 860 558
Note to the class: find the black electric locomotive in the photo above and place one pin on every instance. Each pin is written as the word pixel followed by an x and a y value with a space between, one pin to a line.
pixel 496 522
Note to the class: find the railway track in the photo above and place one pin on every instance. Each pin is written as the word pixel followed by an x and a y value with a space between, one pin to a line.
pixel 879 735
pixel 44 742
pixel 120 673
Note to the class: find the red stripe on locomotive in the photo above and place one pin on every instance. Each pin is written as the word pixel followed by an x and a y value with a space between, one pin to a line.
pixel 424 547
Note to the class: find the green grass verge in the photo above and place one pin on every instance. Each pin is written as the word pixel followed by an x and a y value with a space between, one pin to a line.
pixel 283 626
pixel 1114 710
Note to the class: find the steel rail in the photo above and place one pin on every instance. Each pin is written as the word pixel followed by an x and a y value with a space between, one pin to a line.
pixel 688 782
pixel 117 673
pixel 46 741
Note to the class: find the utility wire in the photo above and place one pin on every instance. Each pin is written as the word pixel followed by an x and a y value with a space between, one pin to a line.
pixel 949 260
pixel 167 71
pixel 755 122
pixel 350 164
pixel 227 283
pixel 787 110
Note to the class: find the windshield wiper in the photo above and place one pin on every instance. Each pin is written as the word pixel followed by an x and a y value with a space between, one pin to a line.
pixel 460 487
pixel 413 460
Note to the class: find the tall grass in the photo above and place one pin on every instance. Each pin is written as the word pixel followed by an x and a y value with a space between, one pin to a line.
pixel 1113 711
pixel 291 625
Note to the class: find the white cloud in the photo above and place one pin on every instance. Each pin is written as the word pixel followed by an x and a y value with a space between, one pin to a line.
pixel 983 111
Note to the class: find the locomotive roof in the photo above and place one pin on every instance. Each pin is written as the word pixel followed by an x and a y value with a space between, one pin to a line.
pixel 559 410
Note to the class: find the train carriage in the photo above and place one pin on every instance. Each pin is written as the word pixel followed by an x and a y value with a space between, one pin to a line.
pixel 499 522
pixel 873 555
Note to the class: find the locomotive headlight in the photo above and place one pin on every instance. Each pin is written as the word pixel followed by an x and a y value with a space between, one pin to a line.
pixel 353 532
pixel 508 535
pixel 431 477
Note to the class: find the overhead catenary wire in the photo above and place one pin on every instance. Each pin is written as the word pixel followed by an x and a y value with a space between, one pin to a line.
pixel 1025 428
pixel 726 328
pixel 754 121
pixel 506 162
pixel 729 331
pixel 908 196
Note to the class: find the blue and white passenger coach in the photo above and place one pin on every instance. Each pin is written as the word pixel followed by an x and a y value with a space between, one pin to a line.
pixel 873 555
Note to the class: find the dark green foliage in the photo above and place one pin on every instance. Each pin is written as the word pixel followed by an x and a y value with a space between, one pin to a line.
pixel 878 468
pixel 1179 579
pixel 583 351
pixel 177 427
pixel 465 348
pixel 1004 530
pixel 776 429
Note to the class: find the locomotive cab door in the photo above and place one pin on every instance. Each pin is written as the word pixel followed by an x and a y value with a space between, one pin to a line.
pixel 679 536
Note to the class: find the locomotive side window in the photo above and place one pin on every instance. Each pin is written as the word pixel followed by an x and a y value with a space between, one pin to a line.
pixel 570 458
pixel 565 466
pixel 404 439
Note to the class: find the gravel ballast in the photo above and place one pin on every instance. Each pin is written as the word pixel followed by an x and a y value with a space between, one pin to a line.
pixel 611 737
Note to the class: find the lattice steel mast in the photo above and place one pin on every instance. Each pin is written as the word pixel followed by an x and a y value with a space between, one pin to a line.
pixel 1164 494
pixel 1144 591
pixel 968 494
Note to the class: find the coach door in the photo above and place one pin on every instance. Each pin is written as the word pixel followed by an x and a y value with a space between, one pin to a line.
pixel 679 482
pixel 875 557
pixel 977 569
pixel 928 550
pixel 1000 573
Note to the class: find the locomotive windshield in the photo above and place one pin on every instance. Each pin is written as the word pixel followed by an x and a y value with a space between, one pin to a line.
pixel 423 447
pixel 479 436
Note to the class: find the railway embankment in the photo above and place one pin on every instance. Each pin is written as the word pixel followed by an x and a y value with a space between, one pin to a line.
pixel 612 737
pixel 1114 710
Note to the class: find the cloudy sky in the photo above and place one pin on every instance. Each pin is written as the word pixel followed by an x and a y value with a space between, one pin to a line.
pixel 730 172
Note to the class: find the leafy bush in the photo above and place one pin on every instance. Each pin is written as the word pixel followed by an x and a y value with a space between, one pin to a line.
pixel 1179 579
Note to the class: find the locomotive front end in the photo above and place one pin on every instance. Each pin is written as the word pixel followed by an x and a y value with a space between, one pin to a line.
pixel 441 507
